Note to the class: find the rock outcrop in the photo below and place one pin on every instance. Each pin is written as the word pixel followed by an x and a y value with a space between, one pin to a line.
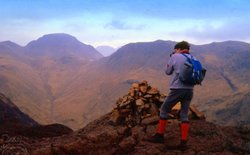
pixel 103 137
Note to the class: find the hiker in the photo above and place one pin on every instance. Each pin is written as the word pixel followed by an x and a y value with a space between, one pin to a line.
pixel 179 92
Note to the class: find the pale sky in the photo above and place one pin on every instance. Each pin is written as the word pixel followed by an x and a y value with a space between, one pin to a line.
pixel 118 22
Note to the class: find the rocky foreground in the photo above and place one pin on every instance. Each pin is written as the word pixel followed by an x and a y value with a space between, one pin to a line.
pixel 103 137
pixel 125 130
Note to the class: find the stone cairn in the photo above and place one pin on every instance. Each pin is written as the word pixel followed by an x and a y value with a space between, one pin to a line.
pixel 141 102
pixel 141 106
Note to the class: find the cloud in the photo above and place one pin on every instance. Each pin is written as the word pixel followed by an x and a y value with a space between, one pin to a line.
pixel 119 25
pixel 126 21
pixel 229 30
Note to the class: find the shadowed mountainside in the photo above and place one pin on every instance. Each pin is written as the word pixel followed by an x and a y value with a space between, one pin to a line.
pixel 13 122
pixel 10 114
pixel 230 110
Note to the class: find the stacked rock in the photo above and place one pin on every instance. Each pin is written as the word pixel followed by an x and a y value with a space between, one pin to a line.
pixel 141 102
pixel 141 106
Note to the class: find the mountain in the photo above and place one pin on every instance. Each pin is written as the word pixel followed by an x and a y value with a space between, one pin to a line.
pixel 102 137
pixel 11 49
pixel 60 45
pixel 36 75
pixel 72 90
pixel 234 56
pixel 141 55
pixel 8 47
pixel 105 50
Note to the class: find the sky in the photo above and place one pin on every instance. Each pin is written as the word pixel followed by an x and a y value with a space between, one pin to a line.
pixel 118 22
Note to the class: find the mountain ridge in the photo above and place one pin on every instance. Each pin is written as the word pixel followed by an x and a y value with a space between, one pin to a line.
pixel 73 91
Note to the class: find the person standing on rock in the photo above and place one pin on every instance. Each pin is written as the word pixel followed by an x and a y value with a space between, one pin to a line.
pixel 179 92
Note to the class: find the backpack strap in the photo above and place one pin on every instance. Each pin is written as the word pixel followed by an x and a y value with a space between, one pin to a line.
pixel 189 59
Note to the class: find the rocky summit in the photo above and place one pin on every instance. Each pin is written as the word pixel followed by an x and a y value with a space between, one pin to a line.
pixel 103 137
pixel 120 132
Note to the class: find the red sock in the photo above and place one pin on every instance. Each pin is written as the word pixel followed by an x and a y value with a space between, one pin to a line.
pixel 161 126
pixel 184 131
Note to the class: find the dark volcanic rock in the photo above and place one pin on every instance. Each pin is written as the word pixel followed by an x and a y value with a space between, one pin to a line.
pixel 51 130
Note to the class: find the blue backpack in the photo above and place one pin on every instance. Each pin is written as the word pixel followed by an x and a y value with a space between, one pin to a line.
pixel 192 71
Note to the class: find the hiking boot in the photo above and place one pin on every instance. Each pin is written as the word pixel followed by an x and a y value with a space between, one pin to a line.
pixel 156 138
pixel 183 145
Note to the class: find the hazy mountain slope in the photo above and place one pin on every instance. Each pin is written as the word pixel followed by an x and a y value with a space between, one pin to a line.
pixel 138 55
pixel 230 58
pixel 78 97
pixel 60 56
pixel 222 58
pixel 22 84
pixel 230 110
pixel 51 64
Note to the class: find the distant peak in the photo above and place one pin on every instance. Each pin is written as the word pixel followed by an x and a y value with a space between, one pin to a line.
pixel 58 36
pixel 9 43
pixel 105 50
pixel 105 46
pixel 55 39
